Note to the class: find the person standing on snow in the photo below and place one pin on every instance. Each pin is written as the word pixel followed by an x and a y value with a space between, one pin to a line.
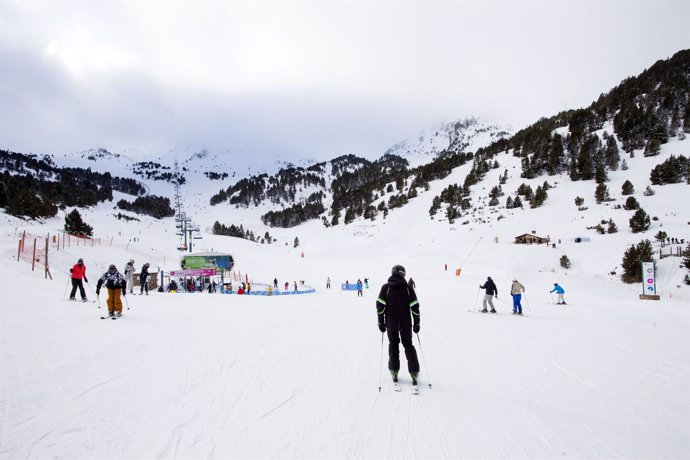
pixel 359 288
pixel 560 291
pixel 328 282
pixel 143 279
pixel 516 290
pixel 411 283
pixel 78 272
pixel 115 283
pixel 397 308
pixel 129 275
pixel 491 290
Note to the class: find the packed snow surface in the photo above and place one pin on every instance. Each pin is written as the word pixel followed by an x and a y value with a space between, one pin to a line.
pixel 226 376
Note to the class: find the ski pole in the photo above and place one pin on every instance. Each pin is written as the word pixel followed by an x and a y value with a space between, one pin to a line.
pixel 476 298
pixel 98 301
pixel 527 302
pixel 126 301
pixel 381 364
pixel 66 286
pixel 552 301
pixel 91 289
pixel 423 358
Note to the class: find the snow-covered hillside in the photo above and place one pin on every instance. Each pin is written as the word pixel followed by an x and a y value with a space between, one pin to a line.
pixel 227 376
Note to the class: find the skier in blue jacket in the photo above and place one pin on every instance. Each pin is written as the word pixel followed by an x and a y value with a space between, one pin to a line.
pixel 560 291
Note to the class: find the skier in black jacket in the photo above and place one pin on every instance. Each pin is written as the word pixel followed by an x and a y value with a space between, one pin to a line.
pixel 143 279
pixel 491 290
pixel 397 308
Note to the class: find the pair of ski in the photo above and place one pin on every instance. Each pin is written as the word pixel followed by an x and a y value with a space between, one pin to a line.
pixel 398 388
pixel 112 317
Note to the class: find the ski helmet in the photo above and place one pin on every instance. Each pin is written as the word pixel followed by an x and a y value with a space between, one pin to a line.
pixel 398 270
pixel 80 261
pixel 112 268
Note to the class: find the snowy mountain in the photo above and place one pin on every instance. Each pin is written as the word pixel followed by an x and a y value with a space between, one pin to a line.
pixel 462 135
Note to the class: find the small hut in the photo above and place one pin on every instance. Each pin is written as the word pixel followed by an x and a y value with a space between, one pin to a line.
pixel 529 238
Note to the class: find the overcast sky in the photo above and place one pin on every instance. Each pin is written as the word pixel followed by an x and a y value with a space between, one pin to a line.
pixel 307 79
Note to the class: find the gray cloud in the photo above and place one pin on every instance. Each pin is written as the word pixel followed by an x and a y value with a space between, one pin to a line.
pixel 307 79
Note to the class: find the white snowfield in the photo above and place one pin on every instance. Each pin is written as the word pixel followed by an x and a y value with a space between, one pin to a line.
pixel 226 376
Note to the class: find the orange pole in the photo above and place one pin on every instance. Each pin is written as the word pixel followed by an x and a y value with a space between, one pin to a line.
pixel 19 249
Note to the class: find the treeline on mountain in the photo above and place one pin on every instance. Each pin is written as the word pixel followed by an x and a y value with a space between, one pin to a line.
pixel 295 214
pixel 34 187
pixel 671 171
pixel 239 232
pixel 645 110
pixel 150 205
pixel 157 171
pixel 281 187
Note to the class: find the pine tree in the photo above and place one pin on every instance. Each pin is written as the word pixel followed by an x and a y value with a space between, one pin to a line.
pixel 624 165
pixel 661 237
pixel 74 225
pixel 640 221
pixel 600 175
pixel 539 197
pixel 613 156
pixel 652 148
pixel 565 262
pixel 601 193
pixel 631 203
pixel 517 203
pixel 613 228
pixel 509 203
pixel 296 242
pixel 579 201
pixel 628 188
pixel 632 261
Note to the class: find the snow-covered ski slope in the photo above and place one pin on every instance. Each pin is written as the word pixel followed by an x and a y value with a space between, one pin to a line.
pixel 217 376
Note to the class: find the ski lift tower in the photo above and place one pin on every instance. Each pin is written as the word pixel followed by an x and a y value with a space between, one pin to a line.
pixel 183 223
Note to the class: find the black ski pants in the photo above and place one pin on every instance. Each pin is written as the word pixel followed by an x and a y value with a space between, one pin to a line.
pixel 143 281
pixel 394 339
pixel 77 283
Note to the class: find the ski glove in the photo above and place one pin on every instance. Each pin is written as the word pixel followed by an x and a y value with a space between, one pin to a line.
pixel 382 327
pixel 98 292
pixel 86 281
pixel 415 328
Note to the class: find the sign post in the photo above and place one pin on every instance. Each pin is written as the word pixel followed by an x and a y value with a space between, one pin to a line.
pixel 649 282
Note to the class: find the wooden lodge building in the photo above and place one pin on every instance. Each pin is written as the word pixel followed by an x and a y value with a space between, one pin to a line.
pixel 529 238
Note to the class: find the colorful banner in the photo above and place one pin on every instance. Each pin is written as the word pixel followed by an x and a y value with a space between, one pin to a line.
pixel 200 272
pixel 648 278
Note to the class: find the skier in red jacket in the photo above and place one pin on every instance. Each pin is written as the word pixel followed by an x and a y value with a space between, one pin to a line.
pixel 78 273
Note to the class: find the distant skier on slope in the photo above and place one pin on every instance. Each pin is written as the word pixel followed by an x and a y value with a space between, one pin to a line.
pixel 411 283
pixel 143 278
pixel 129 275
pixel 516 290
pixel 491 290
pixel 359 288
pixel 115 283
pixel 560 291
pixel 398 313
pixel 78 272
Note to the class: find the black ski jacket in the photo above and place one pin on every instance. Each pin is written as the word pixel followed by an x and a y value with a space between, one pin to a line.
pixel 490 287
pixel 397 305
